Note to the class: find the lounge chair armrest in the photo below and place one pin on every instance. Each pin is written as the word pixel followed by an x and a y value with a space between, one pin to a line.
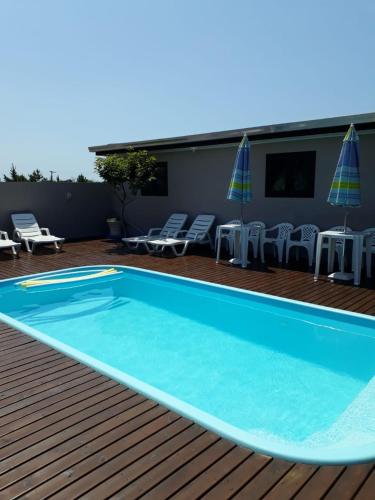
pixel 199 235
pixel 180 233
pixel 17 236
pixel 154 230
pixel 45 230
pixel 4 235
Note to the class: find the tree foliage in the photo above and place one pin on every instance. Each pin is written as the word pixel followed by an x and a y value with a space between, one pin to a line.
pixel 132 171
pixel 36 176
pixel 14 176
pixel 82 178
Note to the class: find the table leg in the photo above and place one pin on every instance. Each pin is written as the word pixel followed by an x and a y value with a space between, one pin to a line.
pixel 318 256
pixel 357 249
pixel 244 246
pixel 331 254
pixel 218 246
pixel 237 245
pixel 368 256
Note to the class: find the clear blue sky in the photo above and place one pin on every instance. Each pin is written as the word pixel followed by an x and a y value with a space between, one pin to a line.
pixel 76 73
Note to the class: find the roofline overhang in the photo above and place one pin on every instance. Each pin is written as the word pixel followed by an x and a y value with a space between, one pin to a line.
pixel 307 128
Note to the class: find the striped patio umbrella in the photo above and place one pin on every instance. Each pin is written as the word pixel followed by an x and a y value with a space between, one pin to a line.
pixel 345 188
pixel 240 191
pixel 240 184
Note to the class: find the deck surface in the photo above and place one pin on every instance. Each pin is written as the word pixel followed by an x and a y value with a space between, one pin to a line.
pixel 68 432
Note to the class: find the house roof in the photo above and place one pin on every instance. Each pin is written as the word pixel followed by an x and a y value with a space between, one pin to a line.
pixel 336 124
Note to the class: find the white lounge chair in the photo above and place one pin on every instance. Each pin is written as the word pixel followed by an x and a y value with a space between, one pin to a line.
pixel 174 224
pixel 199 233
pixel 307 237
pixel 27 230
pixel 6 243
pixel 277 237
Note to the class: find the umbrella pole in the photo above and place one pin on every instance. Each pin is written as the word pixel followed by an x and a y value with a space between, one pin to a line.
pixel 345 220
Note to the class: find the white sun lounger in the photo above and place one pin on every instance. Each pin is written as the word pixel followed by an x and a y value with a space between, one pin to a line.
pixel 199 233
pixel 174 224
pixel 6 243
pixel 27 230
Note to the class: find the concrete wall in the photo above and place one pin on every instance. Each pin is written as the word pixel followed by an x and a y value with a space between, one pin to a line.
pixel 72 210
pixel 198 183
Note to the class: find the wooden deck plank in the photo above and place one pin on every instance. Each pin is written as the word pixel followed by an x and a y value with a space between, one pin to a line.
pixel 47 391
pixel 350 482
pixel 264 480
pixel 122 470
pixel 239 477
pixel 367 489
pixel 50 406
pixel 80 457
pixel 320 483
pixel 67 431
pixel 187 473
pixel 292 482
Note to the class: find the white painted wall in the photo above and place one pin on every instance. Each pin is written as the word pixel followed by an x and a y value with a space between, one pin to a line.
pixel 198 183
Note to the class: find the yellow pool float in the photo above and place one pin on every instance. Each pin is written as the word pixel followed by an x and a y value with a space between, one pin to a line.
pixel 58 281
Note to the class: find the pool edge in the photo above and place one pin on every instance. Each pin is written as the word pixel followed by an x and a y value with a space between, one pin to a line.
pixel 342 456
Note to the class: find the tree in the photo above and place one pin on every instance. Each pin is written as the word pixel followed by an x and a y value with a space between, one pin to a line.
pixel 14 176
pixel 132 171
pixel 82 178
pixel 36 176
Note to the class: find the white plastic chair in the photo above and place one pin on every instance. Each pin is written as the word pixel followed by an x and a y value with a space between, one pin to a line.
pixel 277 240
pixel 227 235
pixel 6 243
pixel 27 230
pixel 339 247
pixel 255 229
pixel 174 224
pixel 199 233
pixel 371 231
pixel 307 239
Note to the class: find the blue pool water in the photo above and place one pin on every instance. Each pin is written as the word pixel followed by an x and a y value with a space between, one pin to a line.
pixel 280 376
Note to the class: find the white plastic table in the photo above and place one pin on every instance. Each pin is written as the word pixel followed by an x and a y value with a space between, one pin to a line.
pixel 241 236
pixel 358 239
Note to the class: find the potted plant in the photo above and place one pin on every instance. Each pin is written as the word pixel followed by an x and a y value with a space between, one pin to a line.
pixel 127 172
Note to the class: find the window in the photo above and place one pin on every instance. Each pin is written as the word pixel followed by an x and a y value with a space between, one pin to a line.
pixel 290 175
pixel 159 187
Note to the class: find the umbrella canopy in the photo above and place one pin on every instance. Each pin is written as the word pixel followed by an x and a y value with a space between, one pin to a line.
pixel 345 188
pixel 240 184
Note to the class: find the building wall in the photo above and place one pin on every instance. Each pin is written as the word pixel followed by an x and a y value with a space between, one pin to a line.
pixel 72 210
pixel 198 183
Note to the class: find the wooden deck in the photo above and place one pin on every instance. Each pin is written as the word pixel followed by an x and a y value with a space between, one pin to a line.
pixel 68 432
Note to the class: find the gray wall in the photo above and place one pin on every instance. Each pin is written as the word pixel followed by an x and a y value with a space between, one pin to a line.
pixel 198 183
pixel 72 210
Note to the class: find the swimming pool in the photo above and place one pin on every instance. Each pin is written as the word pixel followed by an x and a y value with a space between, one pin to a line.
pixel 282 377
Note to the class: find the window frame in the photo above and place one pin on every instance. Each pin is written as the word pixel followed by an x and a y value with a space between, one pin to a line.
pixel 306 158
pixel 153 186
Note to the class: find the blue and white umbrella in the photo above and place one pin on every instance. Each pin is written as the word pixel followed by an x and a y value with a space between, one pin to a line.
pixel 240 184
pixel 240 191
pixel 345 188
